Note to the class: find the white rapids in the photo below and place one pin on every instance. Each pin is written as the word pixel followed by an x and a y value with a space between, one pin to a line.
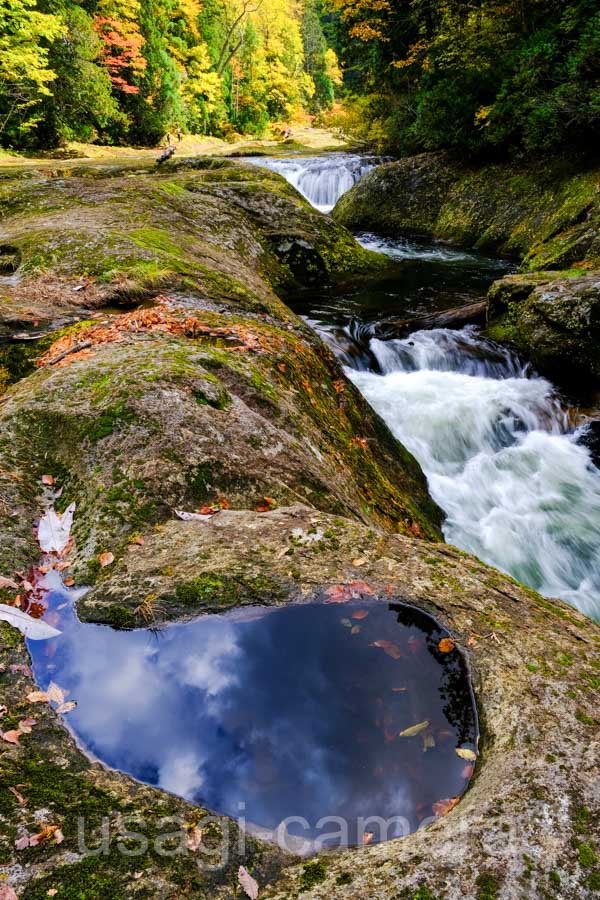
pixel 517 488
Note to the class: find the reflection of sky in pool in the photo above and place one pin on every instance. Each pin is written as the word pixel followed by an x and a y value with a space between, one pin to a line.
pixel 273 713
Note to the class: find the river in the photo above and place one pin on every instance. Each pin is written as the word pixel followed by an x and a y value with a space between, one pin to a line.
pixel 502 451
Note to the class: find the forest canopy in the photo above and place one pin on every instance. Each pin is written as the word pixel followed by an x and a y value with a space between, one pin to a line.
pixel 474 77
pixel 127 71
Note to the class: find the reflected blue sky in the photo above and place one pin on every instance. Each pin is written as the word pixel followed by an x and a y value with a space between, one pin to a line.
pixel 290 711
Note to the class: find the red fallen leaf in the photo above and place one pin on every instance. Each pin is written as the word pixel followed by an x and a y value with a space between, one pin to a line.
pixel 388 647
pixel 446 645
pixel 443 807
pixel 368 837
pixel 339 386
pixel 11 737
pixel 360 614
pixel 48 479
pixel 207 510
pixel 223 503
pixel 105 559
pixel 266 505
pixel 341 593
pixel 69 582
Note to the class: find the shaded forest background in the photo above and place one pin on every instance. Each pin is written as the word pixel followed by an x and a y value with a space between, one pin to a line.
pixel 476 77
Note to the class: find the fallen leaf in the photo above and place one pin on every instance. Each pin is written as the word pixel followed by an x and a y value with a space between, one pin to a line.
pixel 31 628
pixel 38 697
pixel 19 797
pixel 52 892
pixel 21 668
pixel 194 838
pixel 105 559
pixel 388 647
pixel 346 623
pixel 66 707
pixel 467 771
pixel 428 741
pixel 266 505
pixel 54 530
pixel 50 832
pixel 368 837
pixel 68 582
pixel 7 893
pixel 11 737
pixel 8 583
pixel 359 562
pixel 248 883
pixel 3 710
pixel 443 807
pixel 25 725
pixel 400 690
pixel 360 614
pixel 55 693
pixel 446 645
pixel 465 753
pixel 48 479
pixel 188 517
pixel 342 593
pixel 355 630
pixel 21 843
pixel 414 729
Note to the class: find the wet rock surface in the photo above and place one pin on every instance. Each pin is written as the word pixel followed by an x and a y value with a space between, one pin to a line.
pixel 217 392
pixel 554 320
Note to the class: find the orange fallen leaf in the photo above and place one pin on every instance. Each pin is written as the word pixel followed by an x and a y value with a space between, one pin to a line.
pixel 69 582
pixel 49 833
pixel 48 479
pixel 105 559
pixel 11 737
pixel 266 505
pixel 446 645
pixel 359 442
pixel 443 807
pixel 388 647
pixel 360 614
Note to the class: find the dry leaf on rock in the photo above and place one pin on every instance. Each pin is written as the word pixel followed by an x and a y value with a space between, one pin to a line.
pixel 105 559
pixel 19 797
pixel 38 697
pixel 21 843
pixel 248 883
pixel 48 479
pixel 7 893
pixel 11 737
pixel 54 530
pixel 194 838
pixel 25 725
pixel 8 583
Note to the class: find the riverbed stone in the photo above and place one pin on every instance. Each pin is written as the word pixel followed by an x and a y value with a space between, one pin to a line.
pixel 552 319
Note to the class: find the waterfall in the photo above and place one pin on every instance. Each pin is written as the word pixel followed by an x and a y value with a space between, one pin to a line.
pixel 321 179
pixel 518 487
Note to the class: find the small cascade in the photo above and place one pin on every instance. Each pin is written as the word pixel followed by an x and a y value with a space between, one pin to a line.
pixel 515 480
pixel 321 179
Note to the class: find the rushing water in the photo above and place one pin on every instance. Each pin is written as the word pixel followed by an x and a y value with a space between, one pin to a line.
pixel 321 179
pixel 266 714
pixel 503 460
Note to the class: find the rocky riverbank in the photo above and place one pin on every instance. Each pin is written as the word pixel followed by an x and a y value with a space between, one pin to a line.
pixel 172 376
pixel 545 214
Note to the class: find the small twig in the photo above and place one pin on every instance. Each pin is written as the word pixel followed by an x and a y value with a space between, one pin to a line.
pixel 84 345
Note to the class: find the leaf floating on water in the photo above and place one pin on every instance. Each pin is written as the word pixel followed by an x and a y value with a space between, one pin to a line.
pixel 388 647
pixel 446 645
pixel 414 729
pixel 31 628
pixel 346 623
pixel 360 614
pixel 356 629
pixel 106 559
pixel 467 771
pixel 54 530
pixel 428 741
pixel 66 707
pixel 248 883
pixel 465 753
pixel 399 690
pixel 368 837
pixel 55 693
pixel 443 807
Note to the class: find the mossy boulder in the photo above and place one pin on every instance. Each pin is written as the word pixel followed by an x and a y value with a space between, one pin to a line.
pixel 552 318
pixel 544 212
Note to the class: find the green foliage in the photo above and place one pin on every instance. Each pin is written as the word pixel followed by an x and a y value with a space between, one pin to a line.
pixel 129 71
pixel 522 75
